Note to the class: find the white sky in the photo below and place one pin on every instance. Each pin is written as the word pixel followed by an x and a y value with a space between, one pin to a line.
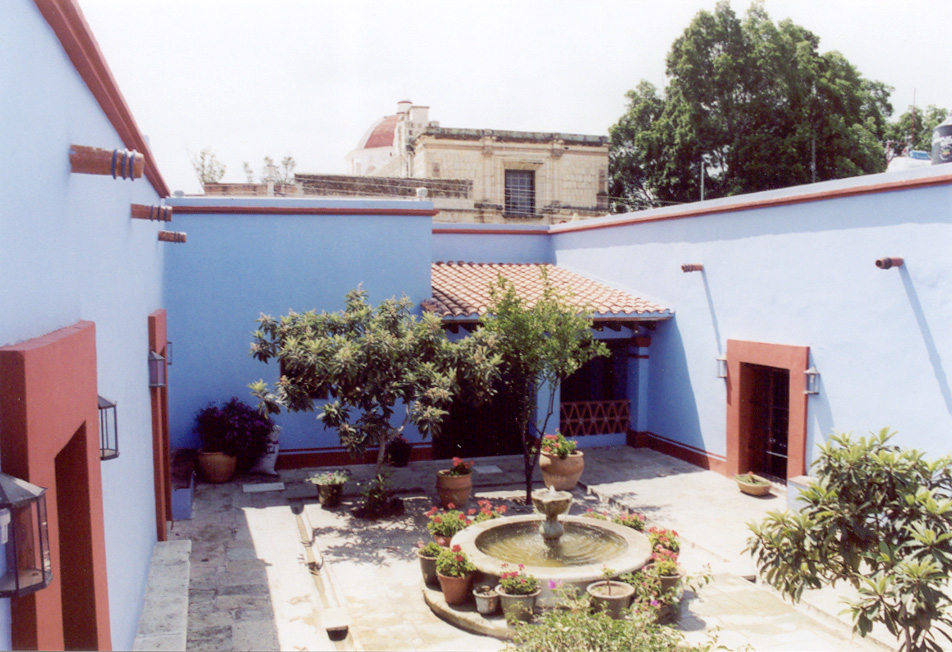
pixel 251 78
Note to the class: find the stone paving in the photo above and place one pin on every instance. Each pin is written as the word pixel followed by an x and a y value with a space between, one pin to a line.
pixel 257 584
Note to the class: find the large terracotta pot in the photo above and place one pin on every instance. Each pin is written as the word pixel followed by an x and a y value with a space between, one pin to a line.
pixel 216 466
pixel 456 590
pixel 520 607
pixel 561 474
pixel 453 489
pixel 669 582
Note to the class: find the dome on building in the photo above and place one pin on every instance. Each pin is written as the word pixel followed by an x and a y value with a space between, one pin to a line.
pixel 380 134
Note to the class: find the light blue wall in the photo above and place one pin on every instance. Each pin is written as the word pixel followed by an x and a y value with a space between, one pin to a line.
pixel 491 243
pixel 69 251
pixel 799 274
pixel 236 266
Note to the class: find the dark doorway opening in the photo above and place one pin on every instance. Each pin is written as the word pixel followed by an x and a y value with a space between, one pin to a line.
pixel 480 430
pixel 75 545
pixel 765 420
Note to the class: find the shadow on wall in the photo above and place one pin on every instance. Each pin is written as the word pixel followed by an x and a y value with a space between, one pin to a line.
pixel 934 359
pixel 672 403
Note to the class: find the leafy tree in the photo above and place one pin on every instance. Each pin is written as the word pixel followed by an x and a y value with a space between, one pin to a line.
pixel 914 129
pixel 369 362
pixel 271 172
pixel 207 167
pixel 540 342
pixel 878 517
pixel 752 104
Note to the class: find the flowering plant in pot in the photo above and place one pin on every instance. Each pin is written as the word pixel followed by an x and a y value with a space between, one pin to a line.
pixel 455 572
pixel 664 566
pixel 444 524
pixel 235 430
pixel 428 554
pixel 560 462
pixel 455 484
pixel 634 520
pixel 486 511
pixel 517 591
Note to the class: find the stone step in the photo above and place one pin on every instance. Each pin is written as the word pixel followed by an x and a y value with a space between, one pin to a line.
pixel 163 624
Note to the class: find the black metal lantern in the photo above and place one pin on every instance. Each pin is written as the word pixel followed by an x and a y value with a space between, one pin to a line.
pixel 25 537
pixel 156 370
pixel 108 430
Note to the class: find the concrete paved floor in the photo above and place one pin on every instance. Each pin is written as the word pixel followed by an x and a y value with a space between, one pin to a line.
pixel 272 570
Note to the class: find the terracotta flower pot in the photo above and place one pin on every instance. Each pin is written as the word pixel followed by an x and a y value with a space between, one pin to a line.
pixel 216 466
pixel 669 582
pixel 428 568
pixel 562 474
pixel 456 590
pixel 612 598
pixel 520 607
pixel 453 489
pixel 442 541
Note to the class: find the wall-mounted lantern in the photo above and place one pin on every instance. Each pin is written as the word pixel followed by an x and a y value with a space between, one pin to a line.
pixel 722 366
pixel 156 370
pixel 25 537
pixel 108 430
pixel 812 385
pixel 888 263
pixel 168 354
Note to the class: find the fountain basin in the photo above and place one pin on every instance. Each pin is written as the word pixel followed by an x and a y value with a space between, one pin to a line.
pixel 618 547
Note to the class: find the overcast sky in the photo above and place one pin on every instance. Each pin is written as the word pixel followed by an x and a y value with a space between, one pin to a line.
pixel 251 78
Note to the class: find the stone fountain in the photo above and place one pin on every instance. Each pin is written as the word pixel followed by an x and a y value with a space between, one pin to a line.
pixel 571 550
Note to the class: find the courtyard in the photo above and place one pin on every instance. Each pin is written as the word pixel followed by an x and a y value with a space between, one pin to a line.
pixel 270 569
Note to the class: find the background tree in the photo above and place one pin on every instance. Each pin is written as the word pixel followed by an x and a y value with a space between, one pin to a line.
pixel 878 517
pixel 370 362
pixel 207 167
pixel 754 105
pixel 540 343
pixel 283 173
pixel 914 128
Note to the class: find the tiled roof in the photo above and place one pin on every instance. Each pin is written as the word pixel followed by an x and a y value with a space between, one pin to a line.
pixel 461 290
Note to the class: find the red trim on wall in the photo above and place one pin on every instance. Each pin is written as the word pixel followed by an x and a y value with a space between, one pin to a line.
pixel 699 210
pixel 158 341
pixel 70 27
pixel 465 231
pixel 690 454
pixel 302 458
pixel 795 359
pixel 300 210
pixel 49 433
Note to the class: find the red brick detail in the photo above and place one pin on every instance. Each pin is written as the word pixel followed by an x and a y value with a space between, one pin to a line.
pixel 158 342
pixel 49 435
pixel 579 418
pixel 795 359
pixel 690 454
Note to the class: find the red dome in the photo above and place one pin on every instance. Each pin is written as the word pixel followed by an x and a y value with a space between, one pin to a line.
pixel 379 135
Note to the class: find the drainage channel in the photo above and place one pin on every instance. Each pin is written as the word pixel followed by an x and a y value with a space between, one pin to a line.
pixel 332 616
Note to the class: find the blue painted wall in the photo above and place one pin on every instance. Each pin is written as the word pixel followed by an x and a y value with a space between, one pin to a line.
pixel 799 274
pixel 491 243
pixel 71 252
pixel 237 266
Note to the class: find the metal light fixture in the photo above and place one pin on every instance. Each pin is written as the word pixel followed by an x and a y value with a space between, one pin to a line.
pixel 25 537
pixel 722 366
pixel 812 385
pixel 108 430
pixel 889 263
pixel 692 267
pixel 156 370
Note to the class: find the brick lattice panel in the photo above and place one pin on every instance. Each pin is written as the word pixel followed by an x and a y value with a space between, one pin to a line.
pixel 579 418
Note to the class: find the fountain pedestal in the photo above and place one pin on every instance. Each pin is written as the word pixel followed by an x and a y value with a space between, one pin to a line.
pixel 551 504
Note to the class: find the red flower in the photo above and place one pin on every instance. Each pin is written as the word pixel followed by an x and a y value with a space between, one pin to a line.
pixel 459 558
pixel 501 509
pixel 456 548
pixel 470 512
pixel 432 511
pixel 450 506
pixel 462 517
pixel 550 437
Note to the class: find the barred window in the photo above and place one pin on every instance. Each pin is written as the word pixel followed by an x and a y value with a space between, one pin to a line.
pixel 520 192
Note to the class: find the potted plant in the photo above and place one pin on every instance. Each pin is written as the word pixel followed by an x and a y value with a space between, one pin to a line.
pixel 517 591
pixel 752 484
pixel 487 600
pixel 455 483
pixel 330 486
pixel 560 461
pixel 455 572
pixel 634 520
pixel 443 525
pixel 428 554
pixel 648 597
pixel 664 566
pixel 664 539
pixel 398 452
pixel 611 596
pixel 232 437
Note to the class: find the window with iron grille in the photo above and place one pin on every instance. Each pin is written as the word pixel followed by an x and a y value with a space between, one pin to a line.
pixel 520 192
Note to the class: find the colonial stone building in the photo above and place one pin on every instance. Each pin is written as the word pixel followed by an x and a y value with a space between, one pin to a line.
pixel 470 175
